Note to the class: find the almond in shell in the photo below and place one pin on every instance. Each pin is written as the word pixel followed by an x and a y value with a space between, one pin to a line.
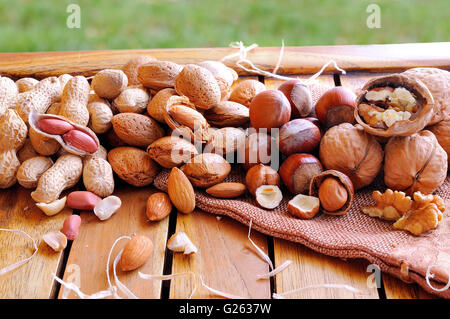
pixel 180 191
pixel 182 117
pixel 133 165
pixel 137 251
pixel 171 151
pixel 136 129
pixel 156 108
pixel 199 85
pixel 206 170
pixel 158 75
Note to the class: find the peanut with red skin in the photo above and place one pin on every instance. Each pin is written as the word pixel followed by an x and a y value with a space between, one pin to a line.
pixel 82 200
pixel 71 226
pixel 80 140
pixel 54 126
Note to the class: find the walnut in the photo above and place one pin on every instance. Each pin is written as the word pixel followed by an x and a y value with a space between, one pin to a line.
pixel 442 132
pixel 400 99
pixel 391 205
pixel 438 82
pixel 421 200
pixel 352 151
pixel 415 163
pixel 406 102
pixel 425 214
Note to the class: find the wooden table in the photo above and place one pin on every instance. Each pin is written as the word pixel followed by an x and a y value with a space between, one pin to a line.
pixel 226 259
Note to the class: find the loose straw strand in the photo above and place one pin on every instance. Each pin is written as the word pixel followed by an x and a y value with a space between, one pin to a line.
pixel 11 267
pixel 242 59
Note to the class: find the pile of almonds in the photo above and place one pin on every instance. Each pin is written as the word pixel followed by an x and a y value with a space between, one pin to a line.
pixel 196 121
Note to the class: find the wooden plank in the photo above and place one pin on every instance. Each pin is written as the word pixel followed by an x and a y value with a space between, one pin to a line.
pixel 224 253
pixel 356 81
pixel 396 289
pixel 34 279
pixel 88 255
pixel 296 60
pixel 225 260
pixel 310 268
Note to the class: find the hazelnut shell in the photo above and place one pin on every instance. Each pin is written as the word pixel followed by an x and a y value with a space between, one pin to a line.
pixel 317 180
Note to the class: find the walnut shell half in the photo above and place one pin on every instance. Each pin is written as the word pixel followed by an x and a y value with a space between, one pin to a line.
pixel 404 127
pixel 352 151
pixel 415 163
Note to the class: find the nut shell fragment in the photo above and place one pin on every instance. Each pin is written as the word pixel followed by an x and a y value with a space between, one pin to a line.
pixel 180 242
pixel 56 240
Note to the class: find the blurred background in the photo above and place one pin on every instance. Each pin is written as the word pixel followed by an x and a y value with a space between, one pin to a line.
pixel 27 25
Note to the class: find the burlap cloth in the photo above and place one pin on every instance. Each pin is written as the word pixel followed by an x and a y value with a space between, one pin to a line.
pixel 353 235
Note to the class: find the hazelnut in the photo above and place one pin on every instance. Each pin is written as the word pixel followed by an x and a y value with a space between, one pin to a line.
pixel 316 122
pixel 268 196
pixel 244 92
pixel 269 109
pixel 260 175
pixel 298 136
pixel 297 171
pixel 336 106
pixel 332 194
pixel 304 206
pixel 299 95
pixel 335 192
pixel 258 149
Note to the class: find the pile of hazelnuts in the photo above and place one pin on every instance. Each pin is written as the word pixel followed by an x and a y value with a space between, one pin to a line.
pixel 301 125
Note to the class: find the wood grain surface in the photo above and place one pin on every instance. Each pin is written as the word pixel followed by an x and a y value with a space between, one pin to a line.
pixel 226 260
pixel 296 60
pixel 35 278
pixel 89 252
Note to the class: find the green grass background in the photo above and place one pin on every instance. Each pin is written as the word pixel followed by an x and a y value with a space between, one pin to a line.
pixel 32 25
